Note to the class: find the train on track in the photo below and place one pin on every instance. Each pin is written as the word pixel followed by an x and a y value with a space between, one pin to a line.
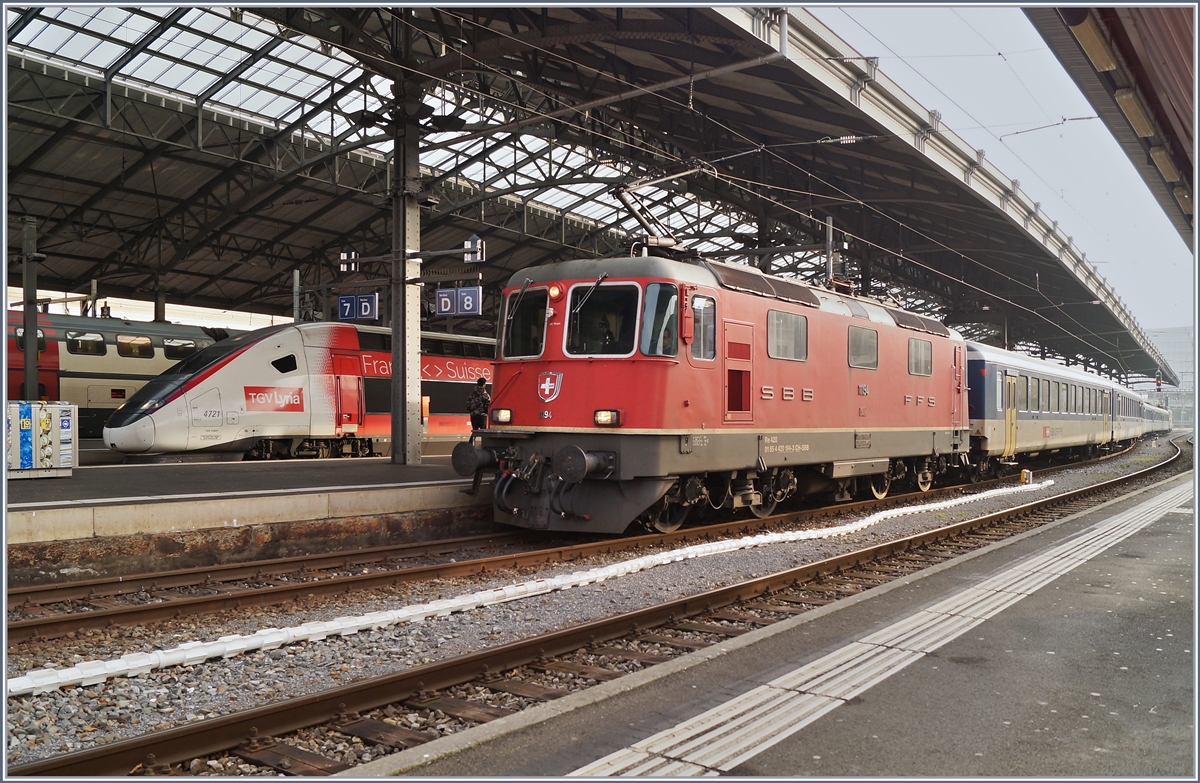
pixel 640 388
pixel 99 363
pixel 298 390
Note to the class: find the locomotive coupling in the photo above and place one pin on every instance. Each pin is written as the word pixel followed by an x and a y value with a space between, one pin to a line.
pixel 573 464
pixel 467 459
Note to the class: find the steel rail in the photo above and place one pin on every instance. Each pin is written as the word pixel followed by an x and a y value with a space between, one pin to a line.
pixel 227 572
pixel 217 735
pixel 235 598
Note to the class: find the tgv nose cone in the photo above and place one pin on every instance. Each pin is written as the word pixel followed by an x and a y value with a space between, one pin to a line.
pixel 131 439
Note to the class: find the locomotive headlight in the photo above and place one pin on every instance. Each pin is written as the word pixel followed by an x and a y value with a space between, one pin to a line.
pixel 555 292
pixel 501 415
pixel 608 418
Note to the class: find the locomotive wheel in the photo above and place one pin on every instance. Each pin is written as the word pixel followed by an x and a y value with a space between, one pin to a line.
pixel 924 484
pixel 880 484
pixel 664 517
pixel 765 509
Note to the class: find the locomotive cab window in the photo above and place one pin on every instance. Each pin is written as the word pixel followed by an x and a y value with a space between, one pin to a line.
pixel 864 348
pixel 177 348
pixel 602 320
pixel 787 336
pixel 525 324
pixel 41 339
pixel 137 347
pixel 920 357
pixel 86 343
pixel 704 319
pixel 660 320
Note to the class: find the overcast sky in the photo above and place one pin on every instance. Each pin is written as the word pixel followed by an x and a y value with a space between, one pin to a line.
pixel 989 73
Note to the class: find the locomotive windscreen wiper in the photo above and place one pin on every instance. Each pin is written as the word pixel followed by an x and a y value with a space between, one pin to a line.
pixel 588 293
pixel 513 310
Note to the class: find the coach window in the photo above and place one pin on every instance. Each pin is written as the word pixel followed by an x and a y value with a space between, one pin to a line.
pixel 41 339
pixel 920 357
pixel 1023 393
pixel 1054 397
pixel 177 348
pixel 137 347
pixel 704 321
pixel 787 336
pixel 660 320
pixel 86 343
pixel 864 348
pixel 525 324
pixel 602 320
pixel 1045 394
pixel 1034 385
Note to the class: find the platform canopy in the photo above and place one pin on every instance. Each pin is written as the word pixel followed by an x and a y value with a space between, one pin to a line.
pixel 1135 66
pixel 205 154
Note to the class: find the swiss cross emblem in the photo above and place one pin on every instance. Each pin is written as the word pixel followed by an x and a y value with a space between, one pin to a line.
pixel 548 385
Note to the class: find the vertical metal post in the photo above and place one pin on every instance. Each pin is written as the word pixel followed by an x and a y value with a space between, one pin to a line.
pixel 160 304
pixel 829 249
pixel 406 315
pixel 295 296
pixel 29 279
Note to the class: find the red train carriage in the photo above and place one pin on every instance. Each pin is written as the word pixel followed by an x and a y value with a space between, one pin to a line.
pixel 643 387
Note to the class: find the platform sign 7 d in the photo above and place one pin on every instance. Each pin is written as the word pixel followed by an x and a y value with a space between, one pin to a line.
pixel 360 307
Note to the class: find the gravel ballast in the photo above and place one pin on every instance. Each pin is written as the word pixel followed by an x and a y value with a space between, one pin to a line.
pixel 76 718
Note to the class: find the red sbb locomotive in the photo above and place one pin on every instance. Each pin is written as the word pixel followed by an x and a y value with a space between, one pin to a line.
pixel 640 388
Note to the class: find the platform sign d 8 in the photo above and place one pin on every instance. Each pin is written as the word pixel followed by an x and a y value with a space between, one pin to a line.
pixel 470 300
pixel 446 301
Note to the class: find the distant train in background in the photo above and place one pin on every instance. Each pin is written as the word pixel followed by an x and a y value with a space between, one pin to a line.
pixel 298 390
pixel 98 363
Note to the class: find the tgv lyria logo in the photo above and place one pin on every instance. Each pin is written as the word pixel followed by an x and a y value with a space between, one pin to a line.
pixel 274 398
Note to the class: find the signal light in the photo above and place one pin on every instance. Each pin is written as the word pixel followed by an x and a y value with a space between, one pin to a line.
pixel 556 293
pixel 501 415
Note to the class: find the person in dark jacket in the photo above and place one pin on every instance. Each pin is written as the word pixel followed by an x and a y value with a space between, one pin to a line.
pixel 477 405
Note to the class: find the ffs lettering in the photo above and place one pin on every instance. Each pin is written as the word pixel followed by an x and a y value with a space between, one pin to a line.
pixel 273 398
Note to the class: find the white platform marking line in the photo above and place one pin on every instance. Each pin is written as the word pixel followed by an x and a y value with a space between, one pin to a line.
pixel 759 719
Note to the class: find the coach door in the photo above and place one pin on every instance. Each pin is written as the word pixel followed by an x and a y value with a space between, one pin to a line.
pixel 739 342
pixel 1010 416
pixel 956 413
pixel 1105 428
pixel 347 375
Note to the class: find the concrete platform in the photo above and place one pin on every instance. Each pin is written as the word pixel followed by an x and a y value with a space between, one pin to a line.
pixel 115 500
pixel 1067 651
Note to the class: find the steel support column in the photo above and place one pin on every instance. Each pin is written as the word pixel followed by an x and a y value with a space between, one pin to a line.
pixel 29 275
pixel 405 298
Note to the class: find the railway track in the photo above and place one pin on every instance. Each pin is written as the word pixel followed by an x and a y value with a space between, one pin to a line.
pixel 493 683
pixel 39 613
